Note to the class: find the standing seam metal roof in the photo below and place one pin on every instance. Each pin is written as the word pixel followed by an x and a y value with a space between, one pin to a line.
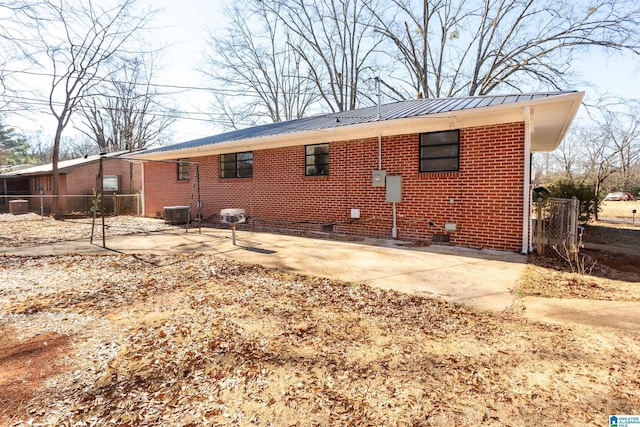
pixel 396 110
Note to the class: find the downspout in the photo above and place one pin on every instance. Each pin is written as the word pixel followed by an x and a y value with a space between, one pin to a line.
pixel 379 150
pixel 142 190
pixel 526 191
pixel 378 119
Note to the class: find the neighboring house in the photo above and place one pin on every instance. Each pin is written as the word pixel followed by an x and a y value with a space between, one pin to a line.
pixel 76 177
pixel 458 168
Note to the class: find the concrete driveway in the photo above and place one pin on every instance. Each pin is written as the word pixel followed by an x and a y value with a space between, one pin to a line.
pixel 480 278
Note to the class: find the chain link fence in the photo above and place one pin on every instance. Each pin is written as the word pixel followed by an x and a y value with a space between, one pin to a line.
pixel 111 204
pixel 556 224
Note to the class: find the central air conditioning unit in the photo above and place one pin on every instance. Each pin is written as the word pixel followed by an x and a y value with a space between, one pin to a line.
pixel 17 207
pixel 176 214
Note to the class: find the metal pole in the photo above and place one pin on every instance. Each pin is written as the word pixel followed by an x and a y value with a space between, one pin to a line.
pixel 199 200
pixel 394 230
pixel 378 87
pixel 104 243
pixel 539 227
pixel 233 233
pixel 573 233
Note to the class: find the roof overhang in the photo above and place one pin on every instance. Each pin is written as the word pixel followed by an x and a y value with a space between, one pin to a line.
pixel 550 119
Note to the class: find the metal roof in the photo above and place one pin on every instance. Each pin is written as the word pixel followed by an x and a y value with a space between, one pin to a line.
pixel 63 166
pixel 392 111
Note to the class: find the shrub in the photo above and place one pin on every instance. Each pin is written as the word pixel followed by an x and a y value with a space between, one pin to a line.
pixel 566 188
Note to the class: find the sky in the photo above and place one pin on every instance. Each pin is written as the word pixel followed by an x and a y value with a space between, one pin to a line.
pixel 183 26
pixel 612 74
pixel 186 23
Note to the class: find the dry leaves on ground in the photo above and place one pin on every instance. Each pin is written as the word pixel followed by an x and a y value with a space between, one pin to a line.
pixel 198 340
pixel 33 229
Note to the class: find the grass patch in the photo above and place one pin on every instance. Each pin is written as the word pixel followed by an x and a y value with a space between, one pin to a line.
pixel 549 277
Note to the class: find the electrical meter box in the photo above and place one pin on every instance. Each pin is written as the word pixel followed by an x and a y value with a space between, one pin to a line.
pixel 377 179
pixel 394 188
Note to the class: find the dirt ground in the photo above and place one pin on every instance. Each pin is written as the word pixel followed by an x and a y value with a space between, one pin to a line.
pixel 198 340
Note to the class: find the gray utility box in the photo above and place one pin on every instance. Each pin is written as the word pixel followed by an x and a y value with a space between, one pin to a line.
pixel 394 188
pixel 18 207
pixel 176 214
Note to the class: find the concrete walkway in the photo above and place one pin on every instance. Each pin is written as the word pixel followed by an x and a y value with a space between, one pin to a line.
pixel 610 314
pixel 481 278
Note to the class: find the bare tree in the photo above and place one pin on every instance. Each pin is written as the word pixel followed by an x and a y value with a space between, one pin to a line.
pixel 78 40
pixel 259 64
pixel 125 111
pixel 568 158
pixel 621 129
pixel 305 56
pixel 335 43
pixel 598 162
pixel 14 48
pixel 473 47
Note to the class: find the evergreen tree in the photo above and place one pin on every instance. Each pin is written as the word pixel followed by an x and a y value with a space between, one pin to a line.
pixel 14 148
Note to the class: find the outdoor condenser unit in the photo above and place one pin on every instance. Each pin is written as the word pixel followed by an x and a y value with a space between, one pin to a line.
pixel 17 207
pixel 176 214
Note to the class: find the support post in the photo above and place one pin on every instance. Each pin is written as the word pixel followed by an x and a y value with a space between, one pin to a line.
pixel 104 243
pixel 539 227
pixel 233 233
pixel 573 233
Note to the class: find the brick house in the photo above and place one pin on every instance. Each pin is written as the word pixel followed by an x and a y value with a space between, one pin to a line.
pixel 458 169
pixel 78 177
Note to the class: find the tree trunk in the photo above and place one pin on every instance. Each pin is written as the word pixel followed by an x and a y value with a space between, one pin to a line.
pixel 56 173
pixel 596 200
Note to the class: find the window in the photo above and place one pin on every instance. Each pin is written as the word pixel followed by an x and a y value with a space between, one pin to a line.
pixel 440 151
pixel 110 183
pixel 316 159
pixel 49 183
pixel 183 170
pixel 236 165
pixel 35 184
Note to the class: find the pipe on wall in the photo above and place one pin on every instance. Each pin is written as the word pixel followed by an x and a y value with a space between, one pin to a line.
pixel 526 192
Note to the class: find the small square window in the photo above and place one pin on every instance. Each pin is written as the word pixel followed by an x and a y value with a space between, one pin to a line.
pixel 236 165
pixel 316 159
pixel 440 151
pixel 183 170
pixel 110 183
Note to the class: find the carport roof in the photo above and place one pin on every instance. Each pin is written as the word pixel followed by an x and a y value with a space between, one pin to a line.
pixel 551 113
pixel 64 166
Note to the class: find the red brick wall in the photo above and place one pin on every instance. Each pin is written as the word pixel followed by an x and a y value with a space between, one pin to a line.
pixel 484 199
pixel 83 179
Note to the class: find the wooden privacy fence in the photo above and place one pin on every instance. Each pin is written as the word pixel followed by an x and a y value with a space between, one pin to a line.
pixel 556 224
pixel 111 204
